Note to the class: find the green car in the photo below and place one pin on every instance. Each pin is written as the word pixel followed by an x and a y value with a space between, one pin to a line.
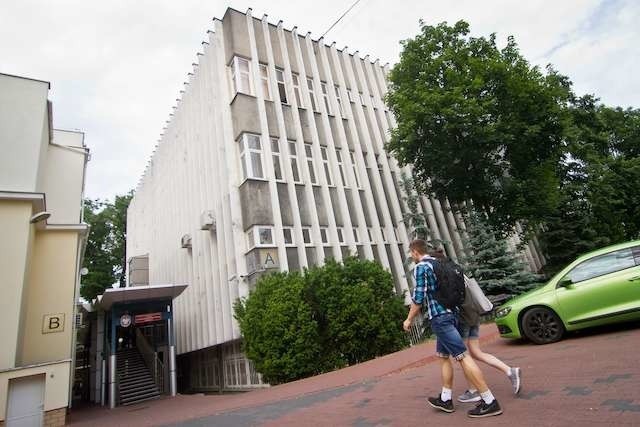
pixel 600 287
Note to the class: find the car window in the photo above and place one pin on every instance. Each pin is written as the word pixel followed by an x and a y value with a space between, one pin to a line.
pixel 603 264
pixel 636 254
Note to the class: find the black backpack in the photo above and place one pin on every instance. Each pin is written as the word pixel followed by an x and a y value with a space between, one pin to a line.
pixel 450 291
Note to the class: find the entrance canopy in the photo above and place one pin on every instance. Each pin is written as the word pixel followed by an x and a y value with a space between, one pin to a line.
pixel 138 293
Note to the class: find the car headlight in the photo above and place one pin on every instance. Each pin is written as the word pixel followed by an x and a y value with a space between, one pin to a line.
pixel 502 312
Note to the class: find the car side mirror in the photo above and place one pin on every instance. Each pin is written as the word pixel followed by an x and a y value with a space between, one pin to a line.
pixel 565 282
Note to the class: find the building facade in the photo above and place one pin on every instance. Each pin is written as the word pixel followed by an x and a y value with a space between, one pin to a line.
pixel 272 159
pixel 43 238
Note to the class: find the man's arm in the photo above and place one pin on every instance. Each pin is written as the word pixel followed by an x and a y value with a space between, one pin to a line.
pixel 414 309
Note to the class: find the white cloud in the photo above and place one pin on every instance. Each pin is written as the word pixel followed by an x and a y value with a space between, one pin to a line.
pixel 116 67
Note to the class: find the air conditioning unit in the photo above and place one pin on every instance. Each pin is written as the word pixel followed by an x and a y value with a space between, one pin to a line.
pixel 186 241
pixel 207 221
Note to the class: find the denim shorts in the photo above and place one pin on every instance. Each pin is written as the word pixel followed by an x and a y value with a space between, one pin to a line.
pixel 468 332
pixel 449 342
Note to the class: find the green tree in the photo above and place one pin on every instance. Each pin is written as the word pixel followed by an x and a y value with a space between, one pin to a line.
pixel 490 261
pixel 104 256
pixel 298 325
pixel 479 123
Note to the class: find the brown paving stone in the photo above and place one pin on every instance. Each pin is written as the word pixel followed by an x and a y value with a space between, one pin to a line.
pixel 391 391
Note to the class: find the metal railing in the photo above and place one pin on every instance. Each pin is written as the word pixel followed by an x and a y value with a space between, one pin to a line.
pixel 420 330
pixel 151 359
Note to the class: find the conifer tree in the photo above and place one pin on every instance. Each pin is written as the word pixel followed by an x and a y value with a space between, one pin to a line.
pixel 497 269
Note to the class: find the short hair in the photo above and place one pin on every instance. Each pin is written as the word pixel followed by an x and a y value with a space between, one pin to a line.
pixel 420 246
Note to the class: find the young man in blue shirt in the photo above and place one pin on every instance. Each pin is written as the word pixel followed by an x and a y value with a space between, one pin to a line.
pixel 449 342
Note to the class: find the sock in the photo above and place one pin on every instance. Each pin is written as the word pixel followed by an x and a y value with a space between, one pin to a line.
pixel 510 372
pixel 487 396
pixel 446 394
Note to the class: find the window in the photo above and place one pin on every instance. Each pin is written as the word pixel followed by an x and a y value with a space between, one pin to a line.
pixel 361 98
pixel 260 236
pixel 306 236
pixel 240 74
pixel 296 90
pixel 312 169
pixel 355 169
pixel 264 78
pixel 384 235
pixel 282 89
pixel 350 95
pixel 370 234
pixel 325 163
pixel 325 97
pixel 312 94
pixel 373 101
pixel 251 156
pixel 288 236
pixel 341 168
pixel 395 233
pixel 277 162
pixel 324 235
pixel 603 264
pixel 340 231
pixel 339 99
pixel 356 235
pixel 293 158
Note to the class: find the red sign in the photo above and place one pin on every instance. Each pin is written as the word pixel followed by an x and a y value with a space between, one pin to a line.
pixel 147 318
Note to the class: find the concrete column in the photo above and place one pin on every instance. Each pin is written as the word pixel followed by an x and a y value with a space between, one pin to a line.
pixel 173 384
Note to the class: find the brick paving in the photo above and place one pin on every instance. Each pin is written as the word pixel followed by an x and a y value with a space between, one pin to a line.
pixel 588 379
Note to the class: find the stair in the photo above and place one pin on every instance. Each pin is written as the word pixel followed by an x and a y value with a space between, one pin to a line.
pixel 136 380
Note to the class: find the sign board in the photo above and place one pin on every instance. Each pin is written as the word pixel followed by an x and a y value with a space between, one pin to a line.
pixel 269 258
pixel 52 323
pixel 147 318
pixel 125 320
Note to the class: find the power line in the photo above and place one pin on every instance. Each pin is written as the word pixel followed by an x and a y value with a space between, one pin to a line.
pixel 341 16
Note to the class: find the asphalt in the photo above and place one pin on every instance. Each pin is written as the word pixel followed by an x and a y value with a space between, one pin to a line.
pixel 588 379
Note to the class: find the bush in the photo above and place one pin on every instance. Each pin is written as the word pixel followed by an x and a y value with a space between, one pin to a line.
pixel 336 315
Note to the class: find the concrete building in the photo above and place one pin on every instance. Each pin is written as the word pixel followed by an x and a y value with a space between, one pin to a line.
pixel 42 174
pixel 272 159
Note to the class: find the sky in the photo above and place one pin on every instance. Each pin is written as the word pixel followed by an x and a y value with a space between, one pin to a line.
pixel 116 67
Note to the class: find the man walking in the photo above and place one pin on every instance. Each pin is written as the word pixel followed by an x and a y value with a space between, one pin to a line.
pixel 449 342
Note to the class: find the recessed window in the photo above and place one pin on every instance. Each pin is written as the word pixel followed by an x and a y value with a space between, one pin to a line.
pixel 324 235
pixel 325 164
pixel 293 158
pixel 339 99
pixel 264 78
pixel 312 94
pixel 361 98
pixel 251 156
pixel 325 97
pixel 312 169
pixel 241 75
pixel 306 236
pixel 296 90
pixel 277 161
pixel 355 169
pixel 356 235
pixel 282 89
pixel 260 236
pixel 370 234
pixel 350 95
pixel 288 236
pixel 384 235
pixel 341 167
pixel 340 231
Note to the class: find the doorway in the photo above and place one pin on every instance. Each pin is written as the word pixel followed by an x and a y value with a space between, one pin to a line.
pixel 26 401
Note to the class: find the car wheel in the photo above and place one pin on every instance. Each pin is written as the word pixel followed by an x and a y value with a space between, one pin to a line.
pixel 542 326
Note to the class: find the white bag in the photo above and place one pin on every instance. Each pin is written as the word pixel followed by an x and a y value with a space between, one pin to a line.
pixel 479 298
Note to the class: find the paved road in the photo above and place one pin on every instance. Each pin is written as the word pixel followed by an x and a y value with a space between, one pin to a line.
pixel 588 379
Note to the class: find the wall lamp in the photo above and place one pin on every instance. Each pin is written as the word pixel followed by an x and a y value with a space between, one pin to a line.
pixel 40 216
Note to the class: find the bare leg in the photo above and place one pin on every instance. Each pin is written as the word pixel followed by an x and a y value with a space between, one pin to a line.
pixel 447 372
pixel 476 352
pixel 474 374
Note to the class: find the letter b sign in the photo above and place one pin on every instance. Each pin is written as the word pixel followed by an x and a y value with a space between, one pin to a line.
pixel 52 323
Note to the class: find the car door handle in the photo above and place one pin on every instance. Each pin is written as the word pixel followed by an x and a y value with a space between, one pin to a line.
pixel 633 279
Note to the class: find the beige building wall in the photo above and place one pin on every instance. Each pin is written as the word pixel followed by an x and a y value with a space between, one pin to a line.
pixel 49 291
pixel 40 170
pixel 14 250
